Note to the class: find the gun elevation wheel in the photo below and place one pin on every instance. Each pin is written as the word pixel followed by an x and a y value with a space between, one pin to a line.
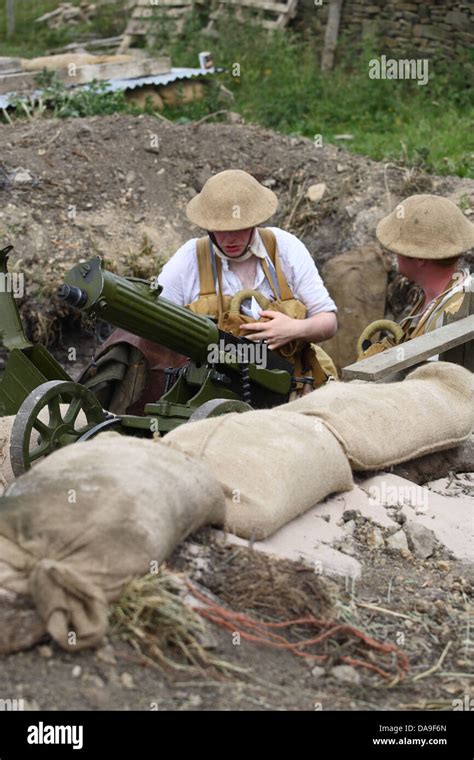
pixel 217 406
pixel 54 415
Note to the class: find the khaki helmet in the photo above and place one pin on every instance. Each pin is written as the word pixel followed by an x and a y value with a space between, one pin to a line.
pixel 426 227
pixel 231 200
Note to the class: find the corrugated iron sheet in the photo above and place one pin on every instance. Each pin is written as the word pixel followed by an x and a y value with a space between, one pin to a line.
pixel 125 84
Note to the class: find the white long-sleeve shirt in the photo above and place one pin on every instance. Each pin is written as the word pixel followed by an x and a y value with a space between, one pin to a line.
pixel 180 275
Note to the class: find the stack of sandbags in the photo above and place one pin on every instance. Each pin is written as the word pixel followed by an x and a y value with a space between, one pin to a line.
pixel 77 527
pixel 382 424
pixel 89 518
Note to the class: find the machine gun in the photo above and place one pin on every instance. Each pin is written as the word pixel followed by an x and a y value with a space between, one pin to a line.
pixel 224 373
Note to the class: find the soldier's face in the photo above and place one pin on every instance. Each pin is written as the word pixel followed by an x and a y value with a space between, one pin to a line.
pixel 409 267
pixel 234 243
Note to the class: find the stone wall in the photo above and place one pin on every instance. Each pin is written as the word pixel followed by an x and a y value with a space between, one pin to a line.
pixel 400 26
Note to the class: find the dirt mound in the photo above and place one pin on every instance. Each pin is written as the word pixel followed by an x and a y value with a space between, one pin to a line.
pixel 118 186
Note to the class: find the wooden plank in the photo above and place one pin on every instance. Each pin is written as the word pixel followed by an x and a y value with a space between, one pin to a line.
pixel 412 352
pixel 280 13
pixel 261 5
pixel 463 354
pixel 10 65
pixel 332 31
pixel 146 14
pixel 162 3
pixel 10 11
pixel 102 42
pixel 21 82
pixel 126 70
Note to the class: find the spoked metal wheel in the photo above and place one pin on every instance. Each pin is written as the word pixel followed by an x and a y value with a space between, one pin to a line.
pixel 217 406
pixel 54 415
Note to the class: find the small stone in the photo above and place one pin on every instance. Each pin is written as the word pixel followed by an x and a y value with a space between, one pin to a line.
pixel 76 671
pixel 443 566
pixel 421 540
pixel 127 680
pixel 398 541
pixel 349 527
pixel 347 547
pixel 95 697
pixel 85 131
pixel 350 514
pixel 195 700
pixel 106 654
pixel 346 674
pixel 208 640
pixel 375 538
pixel 45 651
pixel 234 118
pixel 317 672
pixel 130 178
pixel 340 168
pixel 20 176
pixel 400 518
pixel 316 192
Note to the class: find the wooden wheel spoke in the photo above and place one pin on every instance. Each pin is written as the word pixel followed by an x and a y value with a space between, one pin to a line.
pixel 39 452
pixel 74 409
pixel 54 412
pixel 42 429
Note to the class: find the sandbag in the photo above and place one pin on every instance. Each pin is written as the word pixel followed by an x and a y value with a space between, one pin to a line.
pixel 357 282
pixel 90 517
pixel 383 424
pixel 272 467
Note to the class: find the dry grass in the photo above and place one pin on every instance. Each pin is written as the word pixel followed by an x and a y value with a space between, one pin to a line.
pixel 155 616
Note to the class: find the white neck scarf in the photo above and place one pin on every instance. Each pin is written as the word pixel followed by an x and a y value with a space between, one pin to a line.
pixel 251 251
pixel 244 256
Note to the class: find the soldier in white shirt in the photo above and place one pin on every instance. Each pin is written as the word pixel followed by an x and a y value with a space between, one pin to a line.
pixel 238 255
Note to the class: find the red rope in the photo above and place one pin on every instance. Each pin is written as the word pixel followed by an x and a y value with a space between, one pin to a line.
pixel 261 632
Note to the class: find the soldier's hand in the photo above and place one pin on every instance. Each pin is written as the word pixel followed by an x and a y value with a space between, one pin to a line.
pixel 279 330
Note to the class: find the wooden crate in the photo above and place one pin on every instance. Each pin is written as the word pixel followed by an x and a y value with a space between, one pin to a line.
pixel 145 18
pixel 270 14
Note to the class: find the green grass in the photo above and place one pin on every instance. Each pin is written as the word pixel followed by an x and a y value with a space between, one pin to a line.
pixel 282 87
pixel 32 39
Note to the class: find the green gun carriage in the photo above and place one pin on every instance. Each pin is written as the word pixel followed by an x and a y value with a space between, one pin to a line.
pixel 52 410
